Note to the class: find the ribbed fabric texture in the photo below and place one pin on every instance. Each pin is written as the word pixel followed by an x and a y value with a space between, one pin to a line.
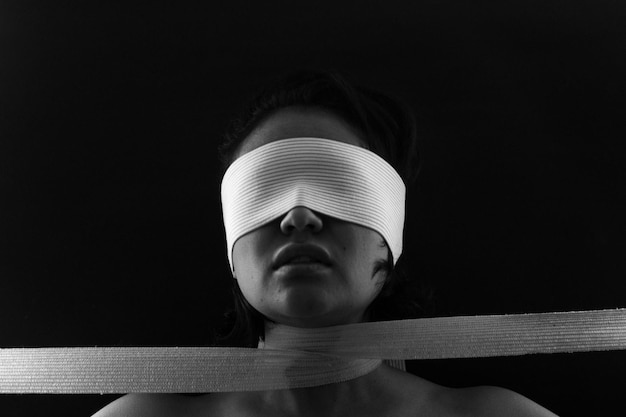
pixel 300 339
pixel 465 336
pixel 170 369
pixel 337 179
pixel 323 356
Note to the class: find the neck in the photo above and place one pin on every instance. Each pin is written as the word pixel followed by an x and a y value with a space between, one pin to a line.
pixel 343 398
pixel 353 397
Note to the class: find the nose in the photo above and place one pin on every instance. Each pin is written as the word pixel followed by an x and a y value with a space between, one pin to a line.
pixel 301 219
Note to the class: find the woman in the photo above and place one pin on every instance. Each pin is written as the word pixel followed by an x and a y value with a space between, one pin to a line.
pixel 321 260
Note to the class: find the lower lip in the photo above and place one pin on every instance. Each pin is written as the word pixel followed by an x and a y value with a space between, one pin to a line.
pixel 309 266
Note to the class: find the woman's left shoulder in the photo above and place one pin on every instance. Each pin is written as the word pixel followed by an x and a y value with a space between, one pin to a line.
pixel 491 401
pixel 430 398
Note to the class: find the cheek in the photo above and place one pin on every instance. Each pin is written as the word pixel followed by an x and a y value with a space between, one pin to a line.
pixel 245 263
pixel 244 256
pixel 252 245
pixel 369 244
pixel 361 247
pixel 252 254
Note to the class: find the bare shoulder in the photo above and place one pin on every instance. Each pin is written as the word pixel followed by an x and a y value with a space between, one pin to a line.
pixel 491 401
pixel 150 405
pixel 423 397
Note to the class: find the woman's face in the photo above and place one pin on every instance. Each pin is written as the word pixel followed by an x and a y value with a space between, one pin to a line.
pixel 304 292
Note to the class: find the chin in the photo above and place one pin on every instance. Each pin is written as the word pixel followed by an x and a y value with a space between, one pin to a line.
pixel 300 310
pixel 306 307
pixel 310 313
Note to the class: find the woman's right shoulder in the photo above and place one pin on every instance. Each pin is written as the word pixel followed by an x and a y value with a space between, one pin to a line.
pixel 150 405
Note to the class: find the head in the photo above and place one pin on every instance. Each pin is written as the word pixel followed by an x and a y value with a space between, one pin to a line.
pixel 360 278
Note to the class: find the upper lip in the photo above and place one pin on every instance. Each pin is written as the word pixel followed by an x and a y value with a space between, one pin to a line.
pixel 289 252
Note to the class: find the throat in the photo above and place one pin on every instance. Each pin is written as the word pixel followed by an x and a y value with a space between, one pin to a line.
pixel 357 397
pixel 363 388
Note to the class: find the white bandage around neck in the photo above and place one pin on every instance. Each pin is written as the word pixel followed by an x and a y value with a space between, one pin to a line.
pixel 336 179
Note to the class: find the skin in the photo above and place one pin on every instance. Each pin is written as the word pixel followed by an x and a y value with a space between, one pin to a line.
pixel 336 295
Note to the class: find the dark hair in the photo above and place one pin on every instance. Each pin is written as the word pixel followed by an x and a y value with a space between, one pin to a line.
pixel 388 127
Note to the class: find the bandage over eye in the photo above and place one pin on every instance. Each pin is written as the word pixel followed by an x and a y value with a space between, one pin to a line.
pixel 339 180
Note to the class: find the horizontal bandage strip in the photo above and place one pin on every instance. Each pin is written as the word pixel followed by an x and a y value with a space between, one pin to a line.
pixel 466 336
pixel 169 369
pixel 326 355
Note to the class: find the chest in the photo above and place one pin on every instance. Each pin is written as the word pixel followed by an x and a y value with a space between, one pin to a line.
pixel 219 405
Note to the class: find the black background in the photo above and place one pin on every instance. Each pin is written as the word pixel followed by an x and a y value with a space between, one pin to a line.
pixel 110 221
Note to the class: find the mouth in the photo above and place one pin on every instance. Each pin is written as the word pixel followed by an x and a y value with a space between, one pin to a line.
pixel 302 266
pixel 301 255
pixel 302 260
